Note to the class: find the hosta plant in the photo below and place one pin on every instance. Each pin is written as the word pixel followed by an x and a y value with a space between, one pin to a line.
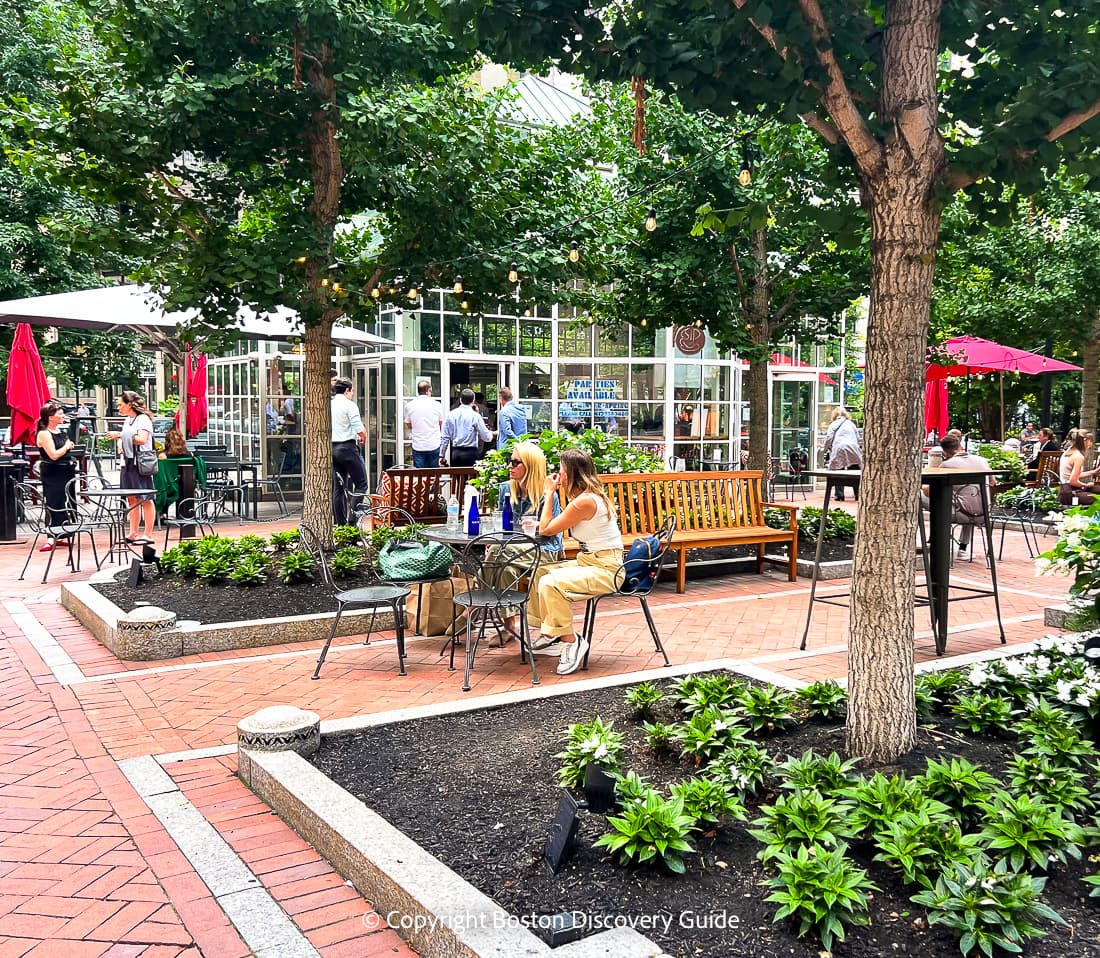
pixel 652 829
pixel 251 569
pixel 989 906
pixel 587 742
pixel 708 732
pixel 347 561
pixel 822 891
pixel 767 708
pixel 745 768
pixel 911 844
pixel 826 774
pixel 803 818
pixel 1059 786
pixel 296 566
pixel 982 712
pixel 631 787
pixel 708 800
pixel 344 536
pixel 1063 747
pixel 251 543
pixel 960 785
pixel 282 541
pixel 1028 833
pixel 826 700
pixel 941 686
pixel 880 799
pixel 699 692
pixel 659 736
pixel 642 697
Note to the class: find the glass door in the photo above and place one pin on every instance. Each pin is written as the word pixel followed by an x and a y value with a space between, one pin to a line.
pixel 368 387
pixel 792 407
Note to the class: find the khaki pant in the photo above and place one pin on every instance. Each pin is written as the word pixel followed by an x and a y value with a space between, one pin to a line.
pixel 590 574
pixel 508 561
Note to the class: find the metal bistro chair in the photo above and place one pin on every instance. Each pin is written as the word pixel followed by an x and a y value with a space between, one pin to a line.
pixel 495 565
pixel 367 519
pixel 38 518
pixel 372 597
pixel 791 475
pixel 204 511
pixel 274 483
pixel 635 577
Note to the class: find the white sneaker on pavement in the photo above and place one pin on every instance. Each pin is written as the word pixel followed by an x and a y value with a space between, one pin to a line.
pixel 541 641
pixel 554 648
pixel 572 654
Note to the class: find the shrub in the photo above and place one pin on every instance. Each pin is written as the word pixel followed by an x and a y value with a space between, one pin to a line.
pixel 347 562
pixel 746 768
pixel 803 818
pixel 344 536
pixel 282 541
pixel 296 567
pixel 249 570
pixel 827 701
pixel 642 697
pixel 1029 832
pixel 982 712
pixel 587 742
pixel 987 906
pixel 879 800
pixel 707 733
pixel 708 800
pixel 699 692
pixel 650 829
pixel 827 775
pixel 252 544
pixel 822 891
pixel 838 523
pixel 767 708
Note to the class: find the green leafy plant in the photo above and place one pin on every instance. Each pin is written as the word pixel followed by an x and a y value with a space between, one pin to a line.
pixel 650 829
pixel 659 736
pixel 1094 882
pixel 587 742
pixel 1064 747
pixel 708 800
pixel 960 785
pixel 821 890
pixel 642 697
pixel 804 817
pixel 880 799
pixel 1005 459
pixel 988 906
pixel 983 712
pixel 347 562
pixel 250 570
pixel 838 523
pixel 296 567
pixel 698 692
pixel 1057 785
pixel 345 536
pixel 911 844
pixel 941 686
pixel 767 708
pixel 1029 832
pixel 282 541
pixel 631 787
pixel 812 771
pixel 214 569
pixel 746 768
pixel 708 732
pixel 252 544
pixel 827 700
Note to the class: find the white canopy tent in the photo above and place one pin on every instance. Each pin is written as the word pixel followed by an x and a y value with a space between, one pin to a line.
pixel 137 309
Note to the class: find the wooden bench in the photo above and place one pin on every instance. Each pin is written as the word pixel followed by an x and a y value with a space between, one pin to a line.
pixel 712 509
pixel 423 493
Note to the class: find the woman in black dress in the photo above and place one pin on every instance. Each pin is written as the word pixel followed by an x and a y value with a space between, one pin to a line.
pixel 56 467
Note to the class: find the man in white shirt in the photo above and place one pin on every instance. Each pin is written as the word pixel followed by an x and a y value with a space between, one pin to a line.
pixel 349 475
pixel 424 417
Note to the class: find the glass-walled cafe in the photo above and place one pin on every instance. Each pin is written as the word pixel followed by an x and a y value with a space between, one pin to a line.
pixel 669 390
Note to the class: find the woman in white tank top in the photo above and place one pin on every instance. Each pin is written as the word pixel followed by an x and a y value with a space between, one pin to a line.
pixel 592 522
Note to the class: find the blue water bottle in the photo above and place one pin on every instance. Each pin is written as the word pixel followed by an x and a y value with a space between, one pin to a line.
pixel 506 515
pixel 473 520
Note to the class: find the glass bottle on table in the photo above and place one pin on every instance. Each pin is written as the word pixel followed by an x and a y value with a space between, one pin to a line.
pixel 473 521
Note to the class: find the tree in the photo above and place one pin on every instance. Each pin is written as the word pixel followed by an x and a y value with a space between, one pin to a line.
pixel 284 153
pixel 920 99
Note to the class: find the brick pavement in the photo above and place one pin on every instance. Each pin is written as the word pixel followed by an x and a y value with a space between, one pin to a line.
pixel 88 869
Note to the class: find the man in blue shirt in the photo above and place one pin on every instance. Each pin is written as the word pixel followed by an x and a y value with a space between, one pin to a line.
pixel 511 419
pixel 461 431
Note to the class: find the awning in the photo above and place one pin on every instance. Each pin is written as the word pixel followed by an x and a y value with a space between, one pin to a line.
pixel 136 309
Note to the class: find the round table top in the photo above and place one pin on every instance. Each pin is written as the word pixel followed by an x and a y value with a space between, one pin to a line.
pixel 460 537
pixel 111 491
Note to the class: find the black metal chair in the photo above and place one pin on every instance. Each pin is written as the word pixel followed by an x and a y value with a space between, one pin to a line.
pixel 638 586
pixel 372 597
pixel 495 566
pixel 37 517
pixel 199 511
pixel 367 519
pixel 274 483
pixel 792 475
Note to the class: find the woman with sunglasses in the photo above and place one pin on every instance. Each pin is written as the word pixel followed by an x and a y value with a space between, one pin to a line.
pixel 56 467
pixel 590 517
pixel 526 489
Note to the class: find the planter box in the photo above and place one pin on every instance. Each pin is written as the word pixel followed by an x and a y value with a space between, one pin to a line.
pixel 100 616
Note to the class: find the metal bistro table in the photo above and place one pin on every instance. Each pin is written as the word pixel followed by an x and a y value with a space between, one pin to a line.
pixel 937 555
pixel 119 547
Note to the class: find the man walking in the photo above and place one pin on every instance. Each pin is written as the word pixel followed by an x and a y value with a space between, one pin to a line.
pixel 424 419
pixel 349 475
pixel 461 431
pixel 511 419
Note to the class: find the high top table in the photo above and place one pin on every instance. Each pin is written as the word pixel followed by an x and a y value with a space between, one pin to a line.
pixel 938 553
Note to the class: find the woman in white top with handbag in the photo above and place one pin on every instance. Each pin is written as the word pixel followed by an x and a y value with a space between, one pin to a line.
pixel 591 519
pixel 136 436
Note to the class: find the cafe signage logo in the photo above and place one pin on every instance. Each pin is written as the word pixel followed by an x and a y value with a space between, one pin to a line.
pixel 689 339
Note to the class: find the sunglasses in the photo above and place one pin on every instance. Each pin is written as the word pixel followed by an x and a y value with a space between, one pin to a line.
pixel 512 463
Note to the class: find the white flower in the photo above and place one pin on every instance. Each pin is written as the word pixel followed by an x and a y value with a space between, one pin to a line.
pixel 1015 667
pixel 978 675
pixel 1063 691
pixel 1043 565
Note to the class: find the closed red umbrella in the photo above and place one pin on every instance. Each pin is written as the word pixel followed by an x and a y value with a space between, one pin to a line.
pixel 197 413
pixel 27 389
pixel 935 407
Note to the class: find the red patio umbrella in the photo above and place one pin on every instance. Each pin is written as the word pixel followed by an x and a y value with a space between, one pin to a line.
pixel 935 407
pixel 197 413
pixel 970 354
pixel 27 389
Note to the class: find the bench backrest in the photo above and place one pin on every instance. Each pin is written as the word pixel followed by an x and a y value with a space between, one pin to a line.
pixel 423 492
pixel 1048 462
pixel 699 500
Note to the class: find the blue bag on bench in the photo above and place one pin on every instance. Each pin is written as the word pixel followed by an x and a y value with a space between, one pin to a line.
pixel 640 564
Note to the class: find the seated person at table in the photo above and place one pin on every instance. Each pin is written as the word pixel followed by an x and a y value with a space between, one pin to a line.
pixel 1047 443
pixel 174 445
pixel 526 489
pixel 1072 472
pixel 968 509
pixel 591 518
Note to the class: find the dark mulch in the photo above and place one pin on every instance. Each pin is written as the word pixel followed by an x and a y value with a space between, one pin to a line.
pixel 478 790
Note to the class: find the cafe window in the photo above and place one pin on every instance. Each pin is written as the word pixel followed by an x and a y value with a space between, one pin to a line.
pixel 500 335
pixel 535 394
pixel 574 338
pixel 421 332
pixel 535 337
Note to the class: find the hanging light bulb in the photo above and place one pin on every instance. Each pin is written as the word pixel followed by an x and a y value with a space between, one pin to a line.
pixel 651 220
pixel 336 287
pixel 324 282
pixel 458 284
pixel 745 176
pixel 574 252
pixel 413 292
pixel 375 293
pixel 465 304
pixel 699 323
pixel 513 273
pixel 527 312
pixel 645 322
pixel 300 259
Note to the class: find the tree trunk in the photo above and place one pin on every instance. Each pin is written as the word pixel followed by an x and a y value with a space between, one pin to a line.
pixel 320 301
pixel 1091 366
pixel 756 379
pixel 898 190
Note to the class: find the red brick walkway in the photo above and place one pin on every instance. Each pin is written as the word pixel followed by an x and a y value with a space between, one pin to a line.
pixel 88 869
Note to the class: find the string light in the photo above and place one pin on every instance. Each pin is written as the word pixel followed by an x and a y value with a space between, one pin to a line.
pixel 413 292
pixel 651 220
pixel 375 293
pixel 745 176
pixel 465 304
pixel 458 284
pixel 513 273
pixel 300 259
pixel 574 252
pixel 324 282
pixel 645 322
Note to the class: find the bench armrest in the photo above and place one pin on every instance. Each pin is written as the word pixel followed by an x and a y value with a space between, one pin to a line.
pixel 793 510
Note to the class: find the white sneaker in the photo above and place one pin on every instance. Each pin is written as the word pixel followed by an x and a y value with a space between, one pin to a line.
pixel 572 654
pixel 541 641
pixel 554 648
